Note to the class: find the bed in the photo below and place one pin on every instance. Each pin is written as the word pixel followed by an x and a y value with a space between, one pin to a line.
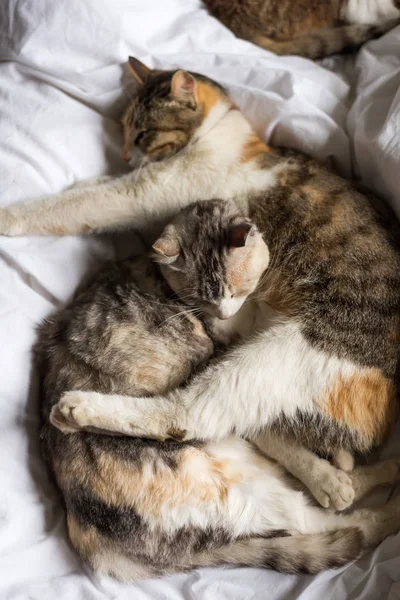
pixel 61 91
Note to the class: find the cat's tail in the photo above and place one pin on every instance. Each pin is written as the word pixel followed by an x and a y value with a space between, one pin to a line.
pixel 323 42
pixel 310 553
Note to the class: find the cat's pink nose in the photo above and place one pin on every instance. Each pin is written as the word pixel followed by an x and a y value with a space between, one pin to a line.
pixel 125 156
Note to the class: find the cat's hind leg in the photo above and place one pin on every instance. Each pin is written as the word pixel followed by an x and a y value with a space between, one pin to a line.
pixel 343 460
pixel 330 486
pixel 365 479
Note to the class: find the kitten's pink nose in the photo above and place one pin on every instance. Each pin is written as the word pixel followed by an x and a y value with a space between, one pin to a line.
pixel 125 156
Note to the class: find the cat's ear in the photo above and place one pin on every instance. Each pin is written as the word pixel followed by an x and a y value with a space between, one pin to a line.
pixel 183 88
pixel 167 247
pixel 242 234
pixel 139 70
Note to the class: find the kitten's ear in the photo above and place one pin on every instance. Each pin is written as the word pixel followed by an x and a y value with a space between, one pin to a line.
pixel 140 72
pixel 167 247
pixel 183 88
pixel 242 234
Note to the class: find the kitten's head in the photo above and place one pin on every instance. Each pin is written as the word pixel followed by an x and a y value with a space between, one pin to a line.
pixel 212 257
pixel 167 110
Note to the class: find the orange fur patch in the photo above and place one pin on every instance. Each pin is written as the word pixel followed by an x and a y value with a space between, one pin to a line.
pixel 318 17
pixel 151 488
pixel 207 96
pixel 313 193
pixel 366 403
pixel 253 148
pixel 86 540
pixel 237 273
pixel 230 475
pixel 198 327
pixel 314 21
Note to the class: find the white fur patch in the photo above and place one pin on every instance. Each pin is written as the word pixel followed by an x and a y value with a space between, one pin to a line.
pixel 275 373
pixel 218 111
pixel 369 12
pixel 230 306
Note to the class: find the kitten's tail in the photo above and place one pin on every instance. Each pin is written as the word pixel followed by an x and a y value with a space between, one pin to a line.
pixel 323 42
pixel 309 553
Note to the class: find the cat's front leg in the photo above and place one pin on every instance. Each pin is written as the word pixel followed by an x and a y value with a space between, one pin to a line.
pixel 236 394
pixel 276 373
pixel 147 197
pixel 92 181
pixel 77 411
pixel 79 210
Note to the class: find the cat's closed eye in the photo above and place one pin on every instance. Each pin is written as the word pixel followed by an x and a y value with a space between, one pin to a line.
pixel 140 136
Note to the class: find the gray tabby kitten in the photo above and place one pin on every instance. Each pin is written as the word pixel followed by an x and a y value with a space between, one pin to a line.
pixel 139 507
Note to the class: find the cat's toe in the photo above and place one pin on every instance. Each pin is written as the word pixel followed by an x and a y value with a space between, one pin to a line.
pixel 58 419
pixel 329 482
pixel 341 490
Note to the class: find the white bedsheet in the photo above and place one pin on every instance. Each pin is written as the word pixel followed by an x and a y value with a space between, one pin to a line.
pixel 60 95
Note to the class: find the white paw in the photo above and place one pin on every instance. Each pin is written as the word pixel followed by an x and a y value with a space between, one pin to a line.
pixel 72 413
pixel 330 486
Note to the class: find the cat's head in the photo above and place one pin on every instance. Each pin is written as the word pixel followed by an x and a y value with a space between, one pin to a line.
pixel 212 257
pixel 167 110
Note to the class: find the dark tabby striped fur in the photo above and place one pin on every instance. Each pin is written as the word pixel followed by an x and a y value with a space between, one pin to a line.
pixel 311 28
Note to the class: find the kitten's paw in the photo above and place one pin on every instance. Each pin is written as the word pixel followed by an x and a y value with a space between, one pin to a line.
pixel 72 413
pixel 330 486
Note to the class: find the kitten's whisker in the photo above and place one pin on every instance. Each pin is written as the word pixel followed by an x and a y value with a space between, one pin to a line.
pixel 180 314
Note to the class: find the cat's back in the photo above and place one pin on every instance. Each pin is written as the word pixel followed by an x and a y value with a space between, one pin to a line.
pixel 275 18
pixel 335 262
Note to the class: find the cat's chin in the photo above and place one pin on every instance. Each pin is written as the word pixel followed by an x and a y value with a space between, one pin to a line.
pixel 138 159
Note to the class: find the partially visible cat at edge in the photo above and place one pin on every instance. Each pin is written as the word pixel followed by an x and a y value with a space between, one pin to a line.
pixel 323 372
pixel 138 507
pixel 311 28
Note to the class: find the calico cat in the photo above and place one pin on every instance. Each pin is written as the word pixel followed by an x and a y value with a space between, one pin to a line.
pixel 321 370
pixel 311 28
pixel 138 507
